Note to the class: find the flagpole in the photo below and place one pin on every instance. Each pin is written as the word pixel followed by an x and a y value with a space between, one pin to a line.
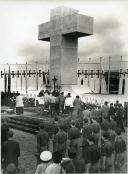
pixel 26 80
pixel 4 80
pixel 21 81
pixel 36 77
pixel 88 73
pixel 100 73
pixel 9 80
pixel 109 74
pixel 16 77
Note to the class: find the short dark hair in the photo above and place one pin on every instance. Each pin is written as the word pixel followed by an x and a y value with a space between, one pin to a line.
pixel 55 119
pixel 41 125
pixel 85 120
pixel 106 135
pixel 77 96
pixel 56 157
pixel 10 134
pixel 118 131
pixel 91 138
pixel 73 122
pixel 61 126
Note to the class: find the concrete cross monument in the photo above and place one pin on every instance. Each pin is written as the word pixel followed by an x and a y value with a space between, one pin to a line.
pixel 63 31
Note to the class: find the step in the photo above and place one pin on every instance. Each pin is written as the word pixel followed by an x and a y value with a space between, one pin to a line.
pixel 25 129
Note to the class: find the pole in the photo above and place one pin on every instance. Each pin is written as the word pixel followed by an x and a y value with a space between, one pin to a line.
pixel 100 73
pixel 109 74
pixel 9 80
pixel 16 77
pixel 88 71
pixel 5 82
pixel 26 80
pixel 36 77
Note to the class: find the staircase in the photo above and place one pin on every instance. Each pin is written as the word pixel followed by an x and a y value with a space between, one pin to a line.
pixel 26 124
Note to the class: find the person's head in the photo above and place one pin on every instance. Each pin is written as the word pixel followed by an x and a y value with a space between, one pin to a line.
pixel 56 157
pixel 118 131
pixel 46 156
pixel 111 104
pixel 62 93
pixel 73 123
pixel 77 97
pixel 90 138
pixel 11 169
pixel 61 126
pixel 56 119
pixel 72 153
pixel 117 102
pixel 119 105
pixel 105 103
pixel 115 105
pixel 106 135
pixel 42 126
pixel 85 120
pixel 10 134
pixel 69 95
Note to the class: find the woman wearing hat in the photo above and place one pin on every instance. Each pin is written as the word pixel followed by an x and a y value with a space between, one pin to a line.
pixel 46 157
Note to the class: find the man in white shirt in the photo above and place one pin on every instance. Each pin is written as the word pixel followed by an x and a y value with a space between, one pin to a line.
pixel 19 104
pixel 69 104
pixel 55 167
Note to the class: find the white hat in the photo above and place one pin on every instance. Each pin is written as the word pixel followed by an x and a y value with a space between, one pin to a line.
pixel 46 156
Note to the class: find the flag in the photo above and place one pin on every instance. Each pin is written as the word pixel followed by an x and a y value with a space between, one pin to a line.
pixel 9 80
pixel 5 81
pixel 44 78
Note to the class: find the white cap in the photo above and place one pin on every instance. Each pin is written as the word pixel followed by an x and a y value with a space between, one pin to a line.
pixel 46 156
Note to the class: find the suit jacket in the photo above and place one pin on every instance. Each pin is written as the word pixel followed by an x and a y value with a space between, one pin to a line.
pixel 4 132
pixel 79 165
pixel 10 152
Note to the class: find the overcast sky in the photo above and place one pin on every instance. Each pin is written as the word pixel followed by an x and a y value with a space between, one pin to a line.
pixel 19 30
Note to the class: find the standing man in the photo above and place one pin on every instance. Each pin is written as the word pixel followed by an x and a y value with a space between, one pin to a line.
pixel 60 141
pixel 61 102
pixel 92 156
pixel 86 113
pixel 10 151
pixel 73 136
pixel 42 139
pixel 86 132
pixel 4 130
pixel 19 104
pixel 77 107
pixel 69 104
pixel 119 117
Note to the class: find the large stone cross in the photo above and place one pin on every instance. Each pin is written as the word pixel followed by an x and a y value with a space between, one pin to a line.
pixel 63 31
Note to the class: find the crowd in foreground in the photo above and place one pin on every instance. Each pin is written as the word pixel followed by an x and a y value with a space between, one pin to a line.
pixel 96 146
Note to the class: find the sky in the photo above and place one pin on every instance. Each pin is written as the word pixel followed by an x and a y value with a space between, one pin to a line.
pixel 19 30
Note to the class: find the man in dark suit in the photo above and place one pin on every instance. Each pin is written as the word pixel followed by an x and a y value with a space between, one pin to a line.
pixel 10 151
pixel 73 136
pixel 72 164
pixel 4 130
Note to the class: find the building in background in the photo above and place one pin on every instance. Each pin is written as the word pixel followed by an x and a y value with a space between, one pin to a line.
pixel 92 77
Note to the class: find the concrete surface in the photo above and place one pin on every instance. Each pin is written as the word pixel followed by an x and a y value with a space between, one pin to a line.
pixel 63 30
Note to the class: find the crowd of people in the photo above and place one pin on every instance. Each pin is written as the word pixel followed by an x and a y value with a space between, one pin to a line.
pixel 96 146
